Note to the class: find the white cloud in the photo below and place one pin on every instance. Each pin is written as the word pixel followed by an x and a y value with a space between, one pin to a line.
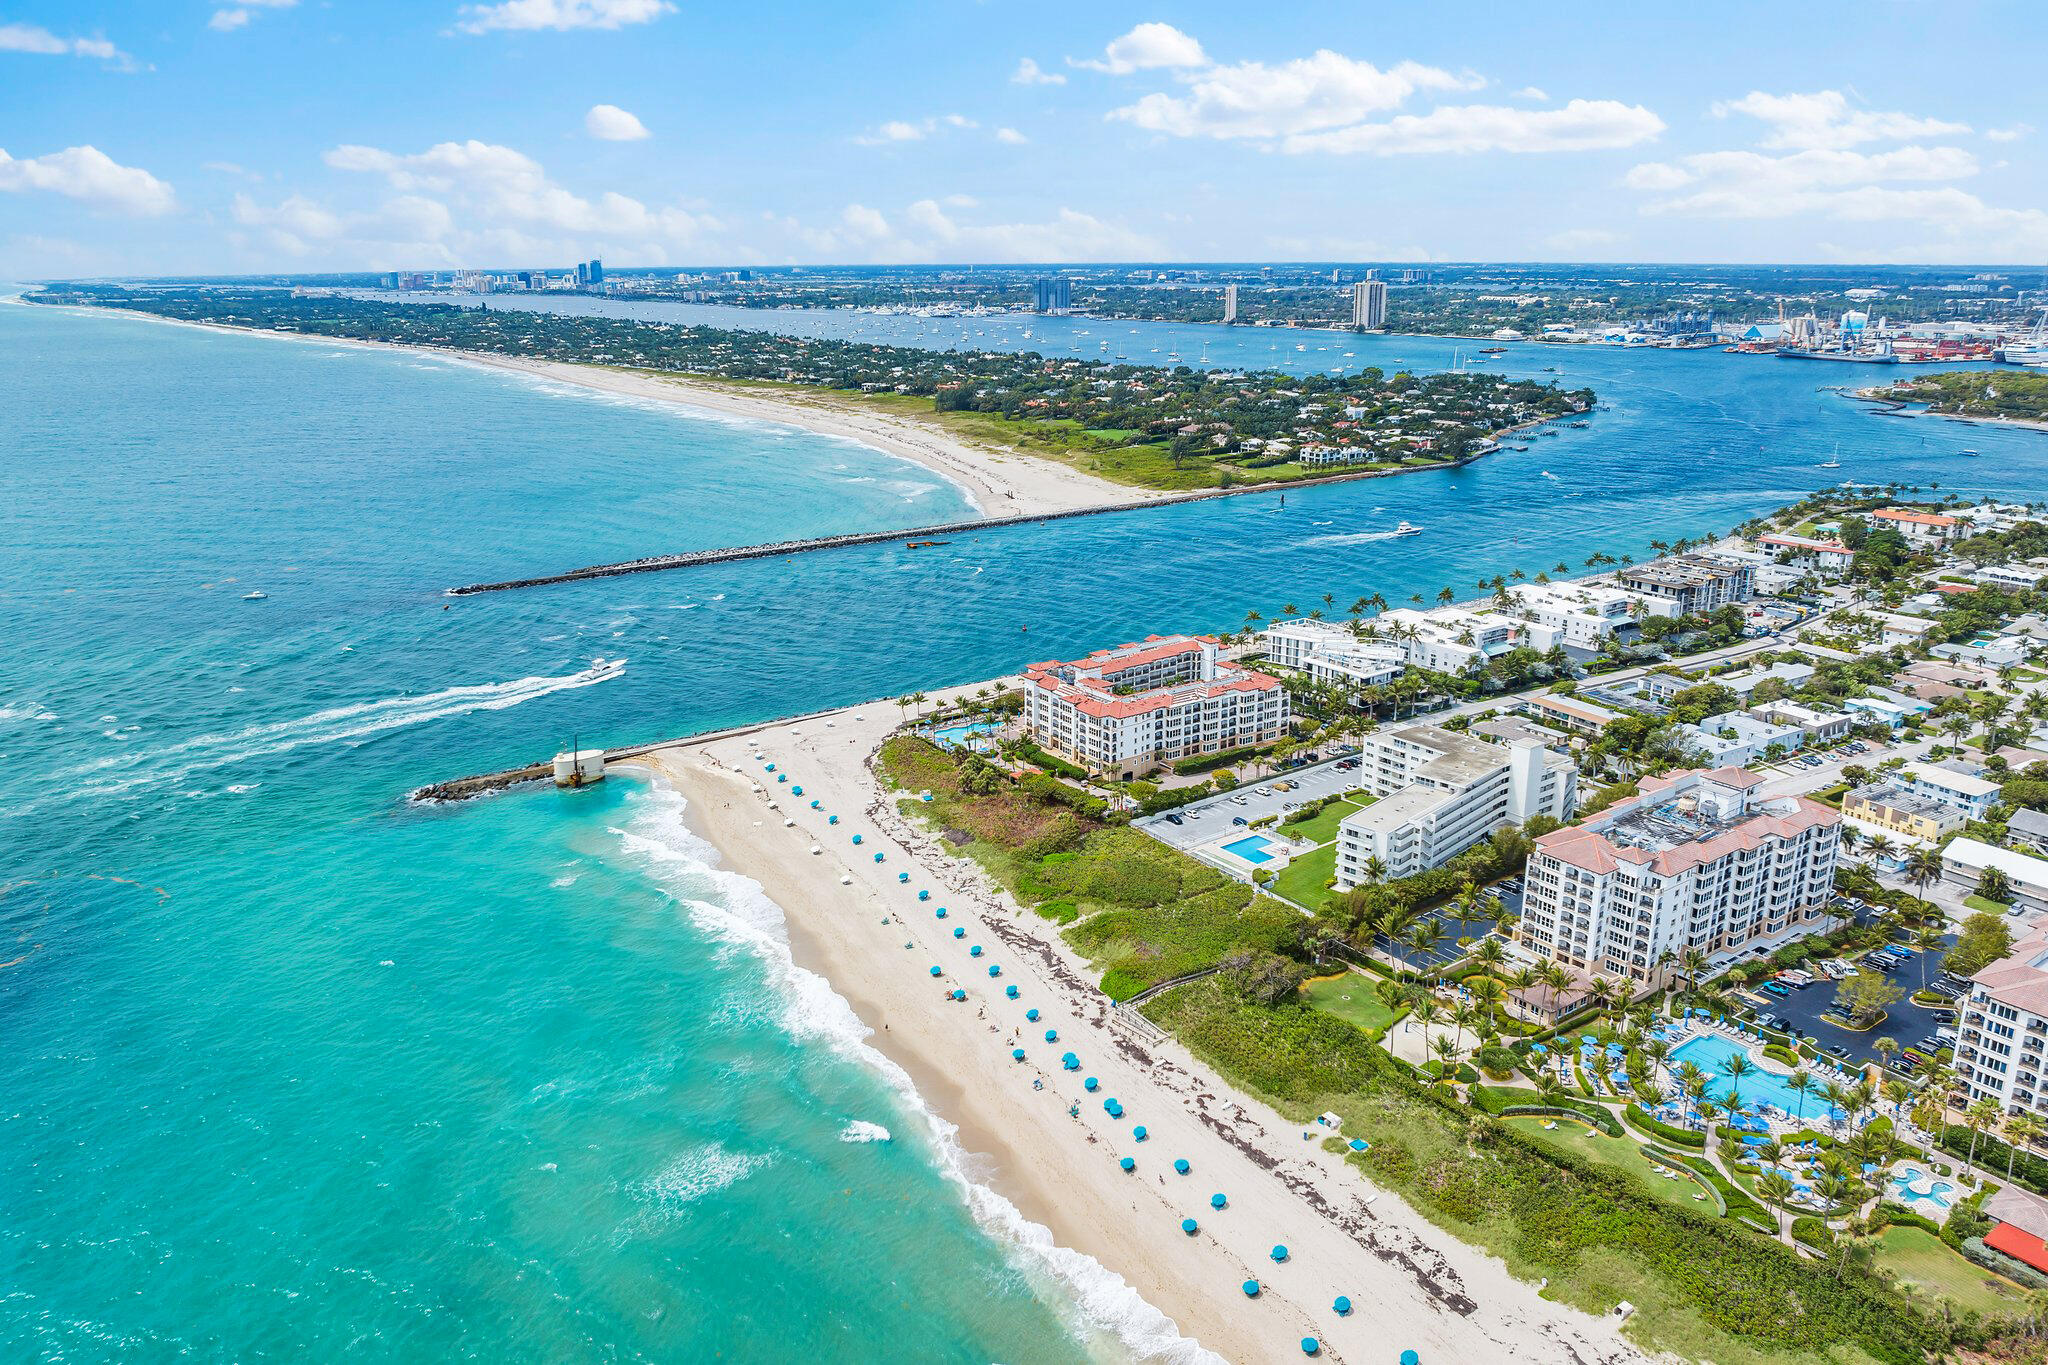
pixel 91 176
pixel 42 42
pixel 1147 47
pixel 1533 92
pixel 930 230
pixel 2010 134
pixel 609 123
pixel 561 15
pixel 1742 184
pixel 901 130
pixel 1580 126
pixel 230 168
pixel 1824 119
pixel 502 185
pixel 1029 73
pixel 1011 136
pixel 238 16
pixel 1254 100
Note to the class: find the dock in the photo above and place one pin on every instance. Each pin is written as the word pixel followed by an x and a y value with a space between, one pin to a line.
pixel 690 559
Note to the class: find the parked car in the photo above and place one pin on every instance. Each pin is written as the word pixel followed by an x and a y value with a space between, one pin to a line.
pixel 1175 818
pixel 1838 1051
pixel 1239 820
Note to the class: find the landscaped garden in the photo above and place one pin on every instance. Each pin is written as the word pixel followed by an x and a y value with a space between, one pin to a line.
pixel 1351 997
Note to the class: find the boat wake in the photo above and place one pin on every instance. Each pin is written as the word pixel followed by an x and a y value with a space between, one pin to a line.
pixel 120 773
pixel 736 910
pixel 1354 538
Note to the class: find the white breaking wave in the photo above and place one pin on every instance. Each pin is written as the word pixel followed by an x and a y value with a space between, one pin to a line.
pixel 744 917
pixel 860 1130
pixel 26 711
pixel 123 772
pixel 696 1173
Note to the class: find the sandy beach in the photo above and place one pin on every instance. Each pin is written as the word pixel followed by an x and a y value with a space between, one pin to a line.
pixel 1039 1140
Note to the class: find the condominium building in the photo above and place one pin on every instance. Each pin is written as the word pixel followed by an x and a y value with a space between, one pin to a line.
pixel 1967 794
pixel 2002 1036
pixel 1921 528
pixel 1449 639
pixel 1818 725
pixel 1230 303
pixel 1830 558
pixel 1692 584
pixel 1892 807
pixel 1581 614
pixel 1700 859
pixel 1331 653
pixel 1736 739
pixel 1441 792
pixel 1163 698
pixel 1369 304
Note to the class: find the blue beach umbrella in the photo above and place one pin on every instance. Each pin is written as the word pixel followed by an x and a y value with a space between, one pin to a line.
pixel 1279 1254
pixel 1251 1289
pixel 1180 1166
pixel 1217 1201
pixel 1139 1132
pixel 1128 1164
pixel 1410 1358
pixel 1017 1054
pixel 900 876
pixel 941 914
pixel 959 932
pixel 1090 1084
pixel 771 767
pixel 1311 1347
pixel 935 971
pixel 1010 991
pixel 878 857
pixel 1071 1062
pixel 1342 1307
pixel 975 951
pixel 1114 1107
pixel 995 970
pixel 959 995
pixel 782 777
pixel 797 791
pixel 1052 1035
pixel 1032 1015
pixel 856 838
pixel 924 895
pixel 830 819
pixel 1190 1226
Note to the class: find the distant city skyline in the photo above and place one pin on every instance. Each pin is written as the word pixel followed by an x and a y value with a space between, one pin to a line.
pixel 279 137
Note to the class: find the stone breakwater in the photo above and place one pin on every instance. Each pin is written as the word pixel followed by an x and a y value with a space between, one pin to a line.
pixel 785 548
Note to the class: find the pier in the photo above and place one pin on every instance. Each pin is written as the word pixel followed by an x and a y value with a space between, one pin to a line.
pixel 690 559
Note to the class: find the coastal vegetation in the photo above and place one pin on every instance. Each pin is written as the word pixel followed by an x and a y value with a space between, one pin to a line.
pixel 1146 425
pixel 2000 394
pixel 1592 1213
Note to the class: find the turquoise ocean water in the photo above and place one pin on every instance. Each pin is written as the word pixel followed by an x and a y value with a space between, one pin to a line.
pixel 294 1070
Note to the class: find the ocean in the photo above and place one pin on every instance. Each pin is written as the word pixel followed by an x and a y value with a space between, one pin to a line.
pixel 298 1070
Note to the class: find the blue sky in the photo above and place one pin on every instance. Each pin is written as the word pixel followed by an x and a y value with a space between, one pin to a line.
pixel 302 135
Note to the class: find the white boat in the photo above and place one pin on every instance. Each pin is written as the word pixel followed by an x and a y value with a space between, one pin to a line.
pixel 2029 349
pixel 1404 529
pixel 1832 464
pixel 255 596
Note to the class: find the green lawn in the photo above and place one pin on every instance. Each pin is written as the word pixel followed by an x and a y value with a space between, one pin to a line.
pixel 1919 1257
pixel 1305 881
pixel 1989 907
pixel 1351 996
pixel 1321 827
pixel 1623 1154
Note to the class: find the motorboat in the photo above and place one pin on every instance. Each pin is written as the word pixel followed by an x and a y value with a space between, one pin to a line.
pixel 1406 529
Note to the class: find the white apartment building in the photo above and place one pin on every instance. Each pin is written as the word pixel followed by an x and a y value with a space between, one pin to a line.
pixel 1442 792
pixel 2002 1039
pixel 1967 794
pixel 1450 639
pixel 1698 860
pixel 1369 304
pixel 1330 653
pixel 1920 528
pixel 1819 726
pixel 1829 558
pixel 1581 614
pixel 2010 576
pixel 1163 698
pixel 1964 861
pixel 1736 739
pixel 1690 584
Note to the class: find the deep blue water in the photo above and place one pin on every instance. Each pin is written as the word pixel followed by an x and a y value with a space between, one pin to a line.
pixel 294 1070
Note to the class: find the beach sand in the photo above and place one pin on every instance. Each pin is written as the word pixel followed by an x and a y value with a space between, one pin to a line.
pixel 850 919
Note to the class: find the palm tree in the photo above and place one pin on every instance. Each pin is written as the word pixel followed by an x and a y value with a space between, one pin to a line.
pixel 1693 963
pixel 1978 1117
pixel 1885 1048
pixel 1777 1189
pixel 1736 1065
pixel 1837 1096
pixel 2020 1129
pixel 1877 845
pixel 1801 1082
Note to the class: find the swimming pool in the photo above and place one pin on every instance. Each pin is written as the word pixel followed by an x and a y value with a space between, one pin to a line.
pixel 1914 1186
pixel 1252 848
pixel 962 736
pixel 1758 1085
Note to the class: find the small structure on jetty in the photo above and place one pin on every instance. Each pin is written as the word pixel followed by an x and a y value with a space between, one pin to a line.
pixel 579 767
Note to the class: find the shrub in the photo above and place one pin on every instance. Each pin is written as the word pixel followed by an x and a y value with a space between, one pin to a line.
pixel 1497 1061
pixel 1657 1128
pixel 1038 757
pixel 1998 1261
pixel 1779 1053
pixel 1813 1232
pixel 1208 763
pixel 1890 1215
pixel 1060 912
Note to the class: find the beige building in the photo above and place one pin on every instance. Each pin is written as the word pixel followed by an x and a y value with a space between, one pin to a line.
pixel 1163 698
pixel 1892 807
pixel 1697 860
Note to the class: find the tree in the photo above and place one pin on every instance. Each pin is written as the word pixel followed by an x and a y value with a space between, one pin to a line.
pixel 1736 1065
pixel 1978 1117
pixel 1801 1082
pixel 2020 1129
pixel 1777 1189
pixel 1982 941
pixel 1994 885
pixel 1864 997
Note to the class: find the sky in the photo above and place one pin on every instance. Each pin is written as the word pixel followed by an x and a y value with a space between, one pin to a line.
pixel 269 136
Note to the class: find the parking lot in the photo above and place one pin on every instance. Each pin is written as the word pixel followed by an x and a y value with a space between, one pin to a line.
pixel 1450 929
pixel 1204 822
pixel 1906 1022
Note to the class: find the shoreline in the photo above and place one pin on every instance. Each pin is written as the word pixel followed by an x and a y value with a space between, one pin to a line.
pixel 855 924
pixel 996 482
pixel 1898 405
